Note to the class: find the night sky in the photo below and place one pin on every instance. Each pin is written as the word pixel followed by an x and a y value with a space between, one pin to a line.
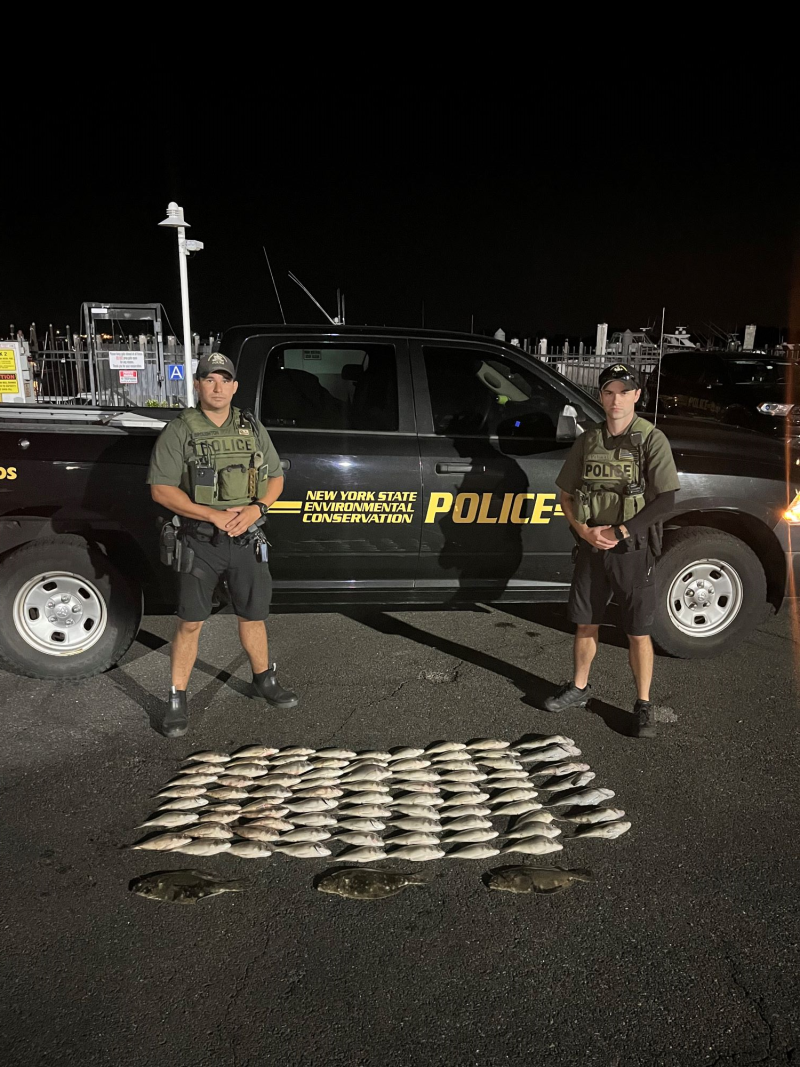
pixel 543 209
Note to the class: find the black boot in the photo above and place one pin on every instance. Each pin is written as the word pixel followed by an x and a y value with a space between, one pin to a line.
pixel 645 716
pixel 176 719
pixel 568 696
pixel 266 685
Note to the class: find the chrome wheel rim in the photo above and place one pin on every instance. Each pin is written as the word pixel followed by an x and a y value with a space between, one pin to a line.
pixel 705 597
pixel 59 613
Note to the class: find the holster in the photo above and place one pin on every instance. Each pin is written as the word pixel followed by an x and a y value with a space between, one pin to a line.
pixel 174 552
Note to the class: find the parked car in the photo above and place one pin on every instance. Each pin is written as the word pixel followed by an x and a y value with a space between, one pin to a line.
pixel 753 391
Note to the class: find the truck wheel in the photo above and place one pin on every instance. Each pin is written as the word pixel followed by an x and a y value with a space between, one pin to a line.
pixel 711 592
pixel 69 612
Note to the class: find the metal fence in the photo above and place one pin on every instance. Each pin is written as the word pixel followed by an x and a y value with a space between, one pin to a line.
pixel 584 369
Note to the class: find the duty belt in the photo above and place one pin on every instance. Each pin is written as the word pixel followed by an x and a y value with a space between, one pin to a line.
pixel 207 531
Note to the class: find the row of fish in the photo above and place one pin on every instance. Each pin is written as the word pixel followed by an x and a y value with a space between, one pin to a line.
pixel 438 801
pixel 355 883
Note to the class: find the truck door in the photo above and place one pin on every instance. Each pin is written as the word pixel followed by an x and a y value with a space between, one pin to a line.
pixel 492 526
pixel 341 416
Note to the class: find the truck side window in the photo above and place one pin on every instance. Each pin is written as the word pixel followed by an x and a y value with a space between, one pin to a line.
pixel 475 393
pixel 330 387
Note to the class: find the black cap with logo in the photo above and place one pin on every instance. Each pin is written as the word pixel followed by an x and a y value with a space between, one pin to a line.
pixel 619 372
pixel 214 363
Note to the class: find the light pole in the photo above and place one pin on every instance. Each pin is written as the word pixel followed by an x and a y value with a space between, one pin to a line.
pixel 176 221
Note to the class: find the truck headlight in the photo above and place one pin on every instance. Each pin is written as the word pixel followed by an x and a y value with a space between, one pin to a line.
pixel 792 514
pixel 778 410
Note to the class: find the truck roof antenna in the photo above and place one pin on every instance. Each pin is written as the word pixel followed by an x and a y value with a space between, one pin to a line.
pixel 297 281
pixel 274 285
pixel 660 358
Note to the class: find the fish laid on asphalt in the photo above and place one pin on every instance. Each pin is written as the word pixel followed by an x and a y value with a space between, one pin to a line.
pixel 437 747
pixel 234 781
pixel 317 804
pixel 473 852
pixel 464 776
pixel 208 757
pixel 495 778
pixel 458 787
pixel 313 818
pixel 182 792
pixel 417 853
pixel 280 791
pixel 535 879
pixel 366 884
pixel 583 797
pixel 213 831
pixel 508 796
pixel 416 776
pixel 296 750
pixel 608 830
pixel 443 765
pixel 499 763
pixel 450 756
pixel 257 751
pixel 410 764
pixel 286 780
pixel 258 833
pixel 211 815
pixel 305 852
pixel 183 887
pixel 202 768
pixel 534 816
pixel 276 825
pixel 468 822
pixel 567 781
pixel 320 774
pixel 352 788
pixel 335 753
pixel 228 792
pixel 487 744
pixel 362 840
pixel 414 837
pixel 405 752
pixel 328 764
pixel 170 819
pixel 369 773
pixel 250 850
pixel 551 754
pixel 417 822
pixel 191 779
pixel 203 848
pixel 264 806
pixel 459 799
pixel 431 788
pixel 534 846
pixel 270 812
pixel 533 829
pixel 248 770
pixel 591 815
pixel 418 800
pixel 374 754
pixel 184 804
pixel 305 834
pixel 327 792
pixel 544 742
pixel 563 767
pixel 518 807
pixel 463 810
pixel 162 842
pixel 296 766
pixel 368 796
pixel 367 811
pixel 362 824
pixel 366 854
pixel 466 837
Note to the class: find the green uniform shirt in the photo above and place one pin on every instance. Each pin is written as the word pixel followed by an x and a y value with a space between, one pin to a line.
pixel 661 475
pixel 172 452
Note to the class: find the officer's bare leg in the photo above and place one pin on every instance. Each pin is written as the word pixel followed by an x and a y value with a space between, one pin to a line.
pixel 253 636
pixel 641 659
pixel 183 652
pixel 584 651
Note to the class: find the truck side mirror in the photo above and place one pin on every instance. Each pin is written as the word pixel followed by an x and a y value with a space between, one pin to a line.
pixel 568 428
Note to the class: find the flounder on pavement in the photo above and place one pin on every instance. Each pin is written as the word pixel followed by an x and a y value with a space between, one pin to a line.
pixel 366 883
pixel 183 887
pixel 535 879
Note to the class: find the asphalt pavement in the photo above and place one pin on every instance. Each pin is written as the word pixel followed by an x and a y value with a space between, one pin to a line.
pixel 683 950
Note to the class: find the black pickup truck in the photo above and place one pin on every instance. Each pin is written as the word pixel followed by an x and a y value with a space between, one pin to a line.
pixel 420 470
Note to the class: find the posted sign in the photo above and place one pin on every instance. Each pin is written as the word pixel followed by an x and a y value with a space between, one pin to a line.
pixel 9 380
pixel 126 360
pixel 128 377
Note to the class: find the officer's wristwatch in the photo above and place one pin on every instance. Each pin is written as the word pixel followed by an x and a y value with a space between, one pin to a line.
pixel 262 508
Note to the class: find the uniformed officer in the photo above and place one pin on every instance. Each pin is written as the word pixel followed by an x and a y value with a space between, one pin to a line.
pixel 617 484
pixel 216 467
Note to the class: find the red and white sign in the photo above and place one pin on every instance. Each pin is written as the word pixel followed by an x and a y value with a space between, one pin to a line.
pixel 128 377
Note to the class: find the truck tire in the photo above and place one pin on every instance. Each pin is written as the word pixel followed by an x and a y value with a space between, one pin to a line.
pixel 711 591
pixel 67 612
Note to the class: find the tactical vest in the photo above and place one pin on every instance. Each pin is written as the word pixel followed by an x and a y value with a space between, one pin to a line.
pixel 602 499
pixel 226 468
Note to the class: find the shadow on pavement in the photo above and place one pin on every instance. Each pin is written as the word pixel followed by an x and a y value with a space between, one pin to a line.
pixel 616 719
pixel 535 690
pixel 554 617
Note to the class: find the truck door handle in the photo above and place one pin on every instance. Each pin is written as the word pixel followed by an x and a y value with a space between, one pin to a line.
pixel 286 464
pixel 459 468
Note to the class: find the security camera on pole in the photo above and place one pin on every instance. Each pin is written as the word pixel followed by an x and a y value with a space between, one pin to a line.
pixel 176 221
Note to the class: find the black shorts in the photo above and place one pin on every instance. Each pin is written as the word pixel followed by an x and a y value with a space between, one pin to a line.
pixel 626 577
pixel 249 582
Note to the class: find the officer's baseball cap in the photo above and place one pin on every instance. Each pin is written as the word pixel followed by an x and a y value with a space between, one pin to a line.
pixel 619 372
pixel 215 363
